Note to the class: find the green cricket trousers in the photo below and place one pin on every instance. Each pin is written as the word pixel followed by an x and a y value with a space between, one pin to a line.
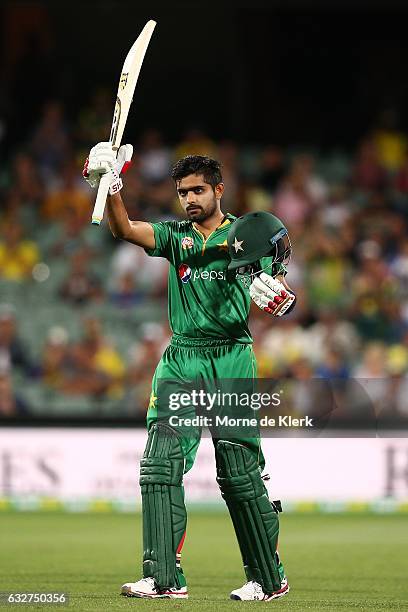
pixel 201 363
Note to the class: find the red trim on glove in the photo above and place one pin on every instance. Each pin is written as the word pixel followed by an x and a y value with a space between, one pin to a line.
pixel 126 166
pixel 85 172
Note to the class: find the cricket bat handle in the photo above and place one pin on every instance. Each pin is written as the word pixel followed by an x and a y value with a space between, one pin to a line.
pixel 100 201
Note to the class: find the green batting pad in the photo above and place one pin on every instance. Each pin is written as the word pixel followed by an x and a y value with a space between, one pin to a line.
pixel 254 518
pixel 164 512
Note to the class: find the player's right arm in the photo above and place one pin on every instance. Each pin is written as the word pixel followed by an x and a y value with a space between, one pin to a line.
pixel 137 232
pixel 102 160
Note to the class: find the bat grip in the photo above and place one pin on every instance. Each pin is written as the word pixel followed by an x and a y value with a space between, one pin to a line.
pixel 100 201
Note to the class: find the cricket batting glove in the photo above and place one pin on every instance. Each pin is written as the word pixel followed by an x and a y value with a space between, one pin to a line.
pixel 271 295
pixel 102 159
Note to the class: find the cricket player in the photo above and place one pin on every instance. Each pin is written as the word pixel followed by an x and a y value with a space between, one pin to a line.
pixel 210 253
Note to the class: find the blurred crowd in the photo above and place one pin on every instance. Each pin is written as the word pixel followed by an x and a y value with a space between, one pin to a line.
pixel 83 316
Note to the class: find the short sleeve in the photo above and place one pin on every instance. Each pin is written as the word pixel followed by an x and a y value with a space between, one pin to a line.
pixel 162 236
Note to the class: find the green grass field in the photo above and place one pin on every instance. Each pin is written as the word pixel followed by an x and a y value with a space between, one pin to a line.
pixel 333 562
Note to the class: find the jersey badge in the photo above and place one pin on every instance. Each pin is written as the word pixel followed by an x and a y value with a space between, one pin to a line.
pixel 187 242
pixel 223 246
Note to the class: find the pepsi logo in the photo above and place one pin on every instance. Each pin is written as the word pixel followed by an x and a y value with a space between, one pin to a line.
pixel 184 272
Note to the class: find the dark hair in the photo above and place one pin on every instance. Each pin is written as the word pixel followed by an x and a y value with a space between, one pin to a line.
pixel 198 164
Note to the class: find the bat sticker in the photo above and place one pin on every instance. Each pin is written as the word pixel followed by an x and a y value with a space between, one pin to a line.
pixel 115 122
pixel 123 80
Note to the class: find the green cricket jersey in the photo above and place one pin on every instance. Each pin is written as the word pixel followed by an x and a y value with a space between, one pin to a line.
pixel 204 301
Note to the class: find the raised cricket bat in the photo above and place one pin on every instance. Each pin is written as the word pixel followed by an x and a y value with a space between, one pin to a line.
pixel 127 84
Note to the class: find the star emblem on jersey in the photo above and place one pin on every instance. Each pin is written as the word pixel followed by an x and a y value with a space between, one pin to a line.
pixel 237 245
pixel 223 246
pixel 152 400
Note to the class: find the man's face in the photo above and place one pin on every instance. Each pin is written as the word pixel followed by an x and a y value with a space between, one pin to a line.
pixel 198 199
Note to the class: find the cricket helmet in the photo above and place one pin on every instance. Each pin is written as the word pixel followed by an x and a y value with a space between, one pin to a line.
pixel 254 236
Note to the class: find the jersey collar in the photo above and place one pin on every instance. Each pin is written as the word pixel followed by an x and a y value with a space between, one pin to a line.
pixel 226 220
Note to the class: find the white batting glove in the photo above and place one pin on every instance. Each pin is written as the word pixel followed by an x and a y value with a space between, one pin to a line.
pixel 102 159
pixel 271 295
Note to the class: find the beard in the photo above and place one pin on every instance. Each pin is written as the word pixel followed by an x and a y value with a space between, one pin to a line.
pixel 199 214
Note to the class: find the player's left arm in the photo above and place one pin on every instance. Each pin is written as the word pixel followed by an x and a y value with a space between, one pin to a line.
pixel 272 294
